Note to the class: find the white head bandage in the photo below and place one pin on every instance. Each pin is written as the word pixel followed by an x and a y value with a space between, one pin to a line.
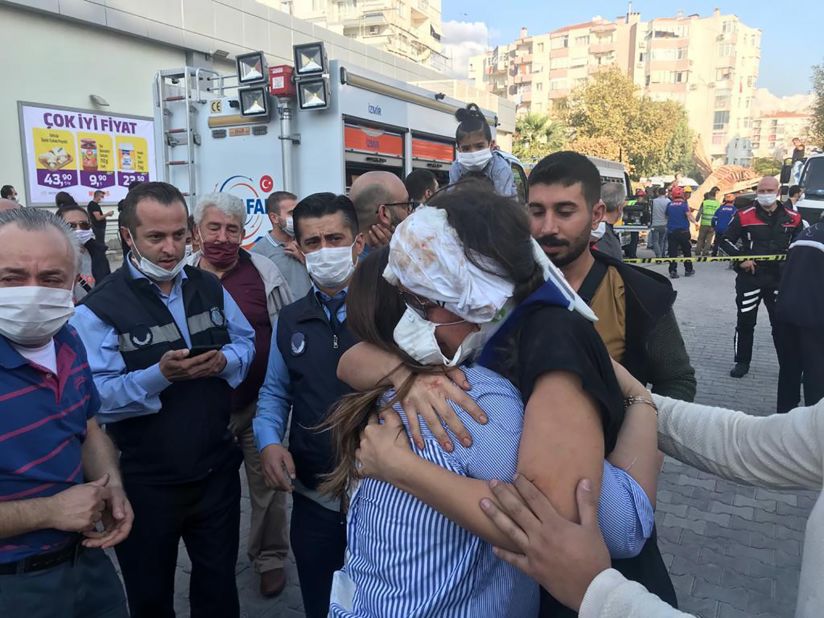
pixel 427 258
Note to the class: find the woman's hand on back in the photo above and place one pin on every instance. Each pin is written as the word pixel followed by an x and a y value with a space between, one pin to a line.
pixel 383 446
pixel 429 398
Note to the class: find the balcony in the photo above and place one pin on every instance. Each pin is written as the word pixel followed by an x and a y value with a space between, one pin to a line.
pixel 373 18
pixel 523 78
pixel 601 48
pixel 419 11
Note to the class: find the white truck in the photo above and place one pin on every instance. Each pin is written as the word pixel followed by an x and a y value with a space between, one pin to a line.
pixel 216 134
pixel 811 181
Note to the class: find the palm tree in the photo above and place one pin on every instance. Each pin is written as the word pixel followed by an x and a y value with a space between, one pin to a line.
pixel 537 135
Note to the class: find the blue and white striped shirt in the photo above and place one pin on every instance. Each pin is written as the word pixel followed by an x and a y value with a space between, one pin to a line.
pixel 407 559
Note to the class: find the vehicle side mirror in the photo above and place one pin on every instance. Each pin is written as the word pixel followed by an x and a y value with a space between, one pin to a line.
pixel 786 171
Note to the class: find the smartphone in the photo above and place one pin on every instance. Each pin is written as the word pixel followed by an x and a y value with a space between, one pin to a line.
pixel 197 350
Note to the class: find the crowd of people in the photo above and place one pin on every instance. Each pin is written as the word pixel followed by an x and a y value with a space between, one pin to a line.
pixel 462 397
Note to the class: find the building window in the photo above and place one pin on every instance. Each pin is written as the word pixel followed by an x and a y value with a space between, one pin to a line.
pixel 723 74
pixel 678 77
pixel 728 27
pixel 581 40
pixel 540 48
pixel 717 139
pixel 751 81
pixel 725 50
pixel 559 42
pixel 722 101
pixel 720 120
pixel 675 53
pixel 539 87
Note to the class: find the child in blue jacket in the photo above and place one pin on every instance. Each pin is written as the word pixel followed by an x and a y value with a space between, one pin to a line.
pixel 476 155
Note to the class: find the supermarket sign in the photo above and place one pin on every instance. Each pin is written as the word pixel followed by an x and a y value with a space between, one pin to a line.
pixel 81 152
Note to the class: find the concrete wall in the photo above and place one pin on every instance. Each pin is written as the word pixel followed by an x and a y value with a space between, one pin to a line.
pixel 58 52
pixel 57 62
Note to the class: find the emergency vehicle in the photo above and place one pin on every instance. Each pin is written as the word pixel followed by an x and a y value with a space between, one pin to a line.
pixel 315 127
pixel 811 181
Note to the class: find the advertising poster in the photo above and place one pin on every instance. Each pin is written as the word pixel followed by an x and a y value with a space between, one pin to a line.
pixel 81 152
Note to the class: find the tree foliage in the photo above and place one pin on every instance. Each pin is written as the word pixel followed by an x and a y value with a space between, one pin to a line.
pixel 537 135
pixel 608 117
pixel 766 166
pixel 817 123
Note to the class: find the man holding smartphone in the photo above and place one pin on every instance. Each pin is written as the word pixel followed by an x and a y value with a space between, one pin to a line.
pixel 166 347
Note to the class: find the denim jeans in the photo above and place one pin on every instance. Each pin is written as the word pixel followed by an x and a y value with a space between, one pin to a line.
pixel 659 240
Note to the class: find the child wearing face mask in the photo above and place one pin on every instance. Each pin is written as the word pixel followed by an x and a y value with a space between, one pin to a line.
pixel 476 154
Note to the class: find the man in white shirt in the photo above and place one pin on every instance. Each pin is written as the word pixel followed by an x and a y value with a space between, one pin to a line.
pixel 279 244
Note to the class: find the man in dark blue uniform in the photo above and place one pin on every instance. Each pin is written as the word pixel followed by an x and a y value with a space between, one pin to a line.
pixel 309 339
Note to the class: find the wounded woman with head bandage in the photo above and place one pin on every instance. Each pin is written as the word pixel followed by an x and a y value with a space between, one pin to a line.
pixel 463 284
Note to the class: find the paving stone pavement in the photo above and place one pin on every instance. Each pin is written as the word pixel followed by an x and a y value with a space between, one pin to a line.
pixel 733 551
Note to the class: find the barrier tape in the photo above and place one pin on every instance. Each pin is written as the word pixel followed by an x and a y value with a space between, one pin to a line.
pixel 725 258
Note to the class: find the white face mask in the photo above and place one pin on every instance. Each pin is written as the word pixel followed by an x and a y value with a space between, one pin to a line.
pixel 289 226
pixel 84 236
pixel 416 336
pixel 330 267
pixel 765 199
pixel 31 315
pixel 475 161
pixel 152 270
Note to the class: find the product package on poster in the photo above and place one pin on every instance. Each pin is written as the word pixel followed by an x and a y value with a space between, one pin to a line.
pixel 81 152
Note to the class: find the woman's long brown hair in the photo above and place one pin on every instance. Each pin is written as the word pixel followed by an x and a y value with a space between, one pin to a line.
pixel 373 309
pixel 488 225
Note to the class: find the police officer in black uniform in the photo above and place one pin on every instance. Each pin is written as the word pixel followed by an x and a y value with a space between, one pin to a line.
pixel 765 228
pixel 799 338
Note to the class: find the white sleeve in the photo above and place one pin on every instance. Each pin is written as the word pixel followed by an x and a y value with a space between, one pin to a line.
pixel 782 450
pixel 611 595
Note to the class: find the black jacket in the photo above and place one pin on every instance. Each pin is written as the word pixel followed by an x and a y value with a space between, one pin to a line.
pixel 801 295
pixel 654 349
pixel 189 437
pixel 311 350
pixel 100 263
pixel 761 233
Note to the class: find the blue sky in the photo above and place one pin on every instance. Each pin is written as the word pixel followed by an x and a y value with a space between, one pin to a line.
pixel 792 39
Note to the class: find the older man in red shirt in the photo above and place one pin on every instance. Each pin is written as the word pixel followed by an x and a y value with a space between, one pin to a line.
pixel 260 290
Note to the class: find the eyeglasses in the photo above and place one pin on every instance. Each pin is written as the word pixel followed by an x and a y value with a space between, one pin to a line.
pixel 409 205
pixel 417 304
pixel 79 226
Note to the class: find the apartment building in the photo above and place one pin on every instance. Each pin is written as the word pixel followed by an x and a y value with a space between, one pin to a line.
pixel 773 132
pixel 708 64
pixel 408 28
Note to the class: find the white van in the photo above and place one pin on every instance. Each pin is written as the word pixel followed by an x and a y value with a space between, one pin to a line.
pixel 811 181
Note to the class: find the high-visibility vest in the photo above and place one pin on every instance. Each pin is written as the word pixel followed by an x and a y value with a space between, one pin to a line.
pixel 708 208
